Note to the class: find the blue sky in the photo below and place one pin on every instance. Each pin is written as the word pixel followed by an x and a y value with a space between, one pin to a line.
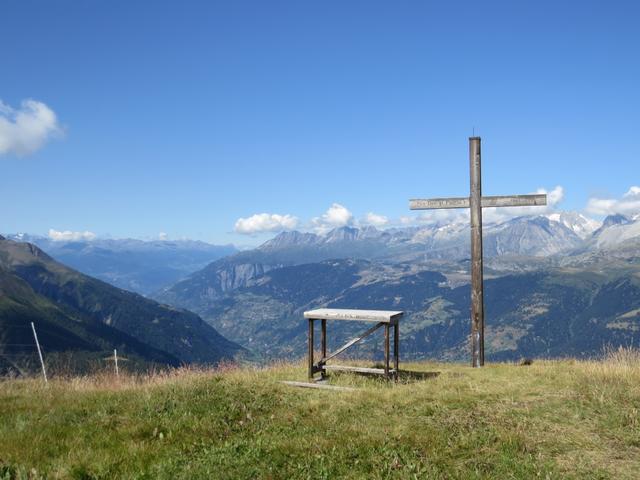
pixel 184 117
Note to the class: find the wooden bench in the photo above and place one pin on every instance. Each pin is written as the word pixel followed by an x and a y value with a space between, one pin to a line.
pixel 381 318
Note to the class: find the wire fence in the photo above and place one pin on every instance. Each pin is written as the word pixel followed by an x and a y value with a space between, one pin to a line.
pixel 21 355
pixel 18 362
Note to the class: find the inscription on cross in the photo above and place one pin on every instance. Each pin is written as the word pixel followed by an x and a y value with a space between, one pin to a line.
pixel 475 202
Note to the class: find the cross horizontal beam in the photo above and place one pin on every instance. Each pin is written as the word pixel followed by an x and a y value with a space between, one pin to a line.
pixel 492 201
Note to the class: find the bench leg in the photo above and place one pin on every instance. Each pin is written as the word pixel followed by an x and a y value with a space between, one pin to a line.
pixel 310 352
pixel 386 350
pixel 396 350
pixel 323 339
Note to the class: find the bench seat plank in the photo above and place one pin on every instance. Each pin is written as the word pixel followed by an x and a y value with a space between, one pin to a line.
pixel 346 368
pixel 384 316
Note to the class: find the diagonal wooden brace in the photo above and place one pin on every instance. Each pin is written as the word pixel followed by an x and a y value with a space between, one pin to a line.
pixel 350 343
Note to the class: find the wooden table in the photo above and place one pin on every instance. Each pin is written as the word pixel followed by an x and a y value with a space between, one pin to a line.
pixel 381 318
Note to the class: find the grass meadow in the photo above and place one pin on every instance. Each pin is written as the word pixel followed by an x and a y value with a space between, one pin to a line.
pixel 551 419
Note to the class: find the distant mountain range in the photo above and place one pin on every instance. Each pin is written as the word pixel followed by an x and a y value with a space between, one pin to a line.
pixel 534 237
pixel 76 313
pixel 136 265
pixel 559 284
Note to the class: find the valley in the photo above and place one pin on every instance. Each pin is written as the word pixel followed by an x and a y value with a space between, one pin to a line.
pixel 550 292
pixel 80 319
pixel 555 286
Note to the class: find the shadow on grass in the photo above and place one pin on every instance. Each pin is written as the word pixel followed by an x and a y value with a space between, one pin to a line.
pixel 404 376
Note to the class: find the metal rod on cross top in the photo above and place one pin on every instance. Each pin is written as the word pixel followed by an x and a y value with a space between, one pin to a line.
pixel 476 202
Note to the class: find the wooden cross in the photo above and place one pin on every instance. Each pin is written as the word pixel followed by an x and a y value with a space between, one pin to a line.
pixel 476 202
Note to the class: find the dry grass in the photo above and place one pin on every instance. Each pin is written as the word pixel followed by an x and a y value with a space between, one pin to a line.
pixel 573 419
pixel 618 364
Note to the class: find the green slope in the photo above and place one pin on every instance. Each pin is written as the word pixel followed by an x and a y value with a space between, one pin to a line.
pixel 73 312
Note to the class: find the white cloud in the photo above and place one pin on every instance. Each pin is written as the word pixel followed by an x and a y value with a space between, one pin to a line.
pixel 162 236
pixel 501 214
pixel 265 222
pixel 336 216
pixel 26 129
pixel 375 220
pixel 443 216
pixel 68 235
pixel 554 197
pixel 629 204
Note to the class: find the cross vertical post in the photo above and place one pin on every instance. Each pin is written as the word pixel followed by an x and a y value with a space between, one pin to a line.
pixel 475 202
pixel 477 294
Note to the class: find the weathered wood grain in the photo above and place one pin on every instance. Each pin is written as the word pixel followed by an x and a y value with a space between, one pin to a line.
pixel 489 201
pixel 438 203
pixel 385 316
pixel 514 200
pixel 346 368
pixel 310 343
pixel 477 296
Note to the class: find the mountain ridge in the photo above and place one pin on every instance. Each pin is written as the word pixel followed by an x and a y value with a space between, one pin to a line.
pixel 536 236
pixel 91 315
pixel 136 265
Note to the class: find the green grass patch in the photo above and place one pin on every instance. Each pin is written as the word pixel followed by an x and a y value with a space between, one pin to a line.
pixel 564 419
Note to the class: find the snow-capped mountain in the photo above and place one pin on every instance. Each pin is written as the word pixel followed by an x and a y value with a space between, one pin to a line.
pixel 530 235
pixel 580 225
pixel 610 221
pixel 536 236
pixel 616 230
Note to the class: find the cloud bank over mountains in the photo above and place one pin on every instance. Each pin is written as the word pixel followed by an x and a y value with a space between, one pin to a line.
pixel 68 236
pixel 338 215
pixel 265 222
pixel 375 220
pixel 26 129
pixel 629 204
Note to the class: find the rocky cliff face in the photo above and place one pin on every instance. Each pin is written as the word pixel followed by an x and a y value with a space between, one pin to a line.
pixel 289 239
pixel 213 282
